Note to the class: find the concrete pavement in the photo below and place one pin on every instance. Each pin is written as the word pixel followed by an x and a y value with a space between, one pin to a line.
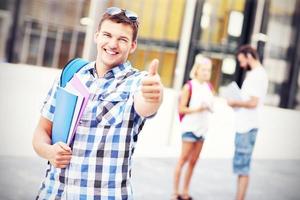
pixel 152 179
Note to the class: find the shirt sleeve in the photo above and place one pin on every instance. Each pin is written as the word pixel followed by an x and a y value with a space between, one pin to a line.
pixel 49 103
pixel 256 88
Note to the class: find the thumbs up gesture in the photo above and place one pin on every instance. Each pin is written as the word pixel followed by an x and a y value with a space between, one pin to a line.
pixel 152 88
pixel 148 100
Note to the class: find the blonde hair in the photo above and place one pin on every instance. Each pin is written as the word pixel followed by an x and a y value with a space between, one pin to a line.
pixel 199 61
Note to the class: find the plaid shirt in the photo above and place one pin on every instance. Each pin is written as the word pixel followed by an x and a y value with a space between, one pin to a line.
pixel 100 167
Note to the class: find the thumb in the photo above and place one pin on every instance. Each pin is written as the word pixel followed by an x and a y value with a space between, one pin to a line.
pixel 153 67
pixel 64 146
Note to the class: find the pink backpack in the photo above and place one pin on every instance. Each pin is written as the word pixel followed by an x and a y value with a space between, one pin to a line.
pixel 181 115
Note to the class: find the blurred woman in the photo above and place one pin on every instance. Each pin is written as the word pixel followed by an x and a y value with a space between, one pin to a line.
pixel 195 104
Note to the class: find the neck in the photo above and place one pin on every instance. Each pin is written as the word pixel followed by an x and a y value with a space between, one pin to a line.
pixel 200 81
pixel 255 64
pixel 101 68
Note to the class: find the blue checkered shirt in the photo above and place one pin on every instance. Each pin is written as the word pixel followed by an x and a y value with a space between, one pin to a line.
pixel 100 167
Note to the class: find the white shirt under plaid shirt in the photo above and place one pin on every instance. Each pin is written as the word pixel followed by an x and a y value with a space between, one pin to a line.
pixel 100 167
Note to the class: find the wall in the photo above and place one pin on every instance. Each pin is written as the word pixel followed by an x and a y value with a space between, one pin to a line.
pixel 23 89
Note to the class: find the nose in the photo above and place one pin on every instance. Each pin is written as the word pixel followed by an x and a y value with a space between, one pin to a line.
pixel 113 43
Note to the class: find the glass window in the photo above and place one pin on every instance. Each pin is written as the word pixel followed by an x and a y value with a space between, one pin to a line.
pixel 217 36
pixel 221 23
pixel 6 13
pixel 49 33
pixel 276 60
pixel 297 99
pixel 159 33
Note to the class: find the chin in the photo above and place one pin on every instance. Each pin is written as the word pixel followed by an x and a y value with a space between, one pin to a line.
pixel 109 62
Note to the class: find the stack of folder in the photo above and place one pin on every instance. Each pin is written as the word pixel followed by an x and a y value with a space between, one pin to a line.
pixel 70 104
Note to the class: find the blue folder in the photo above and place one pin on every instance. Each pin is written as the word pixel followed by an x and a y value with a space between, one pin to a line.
pixel 63 115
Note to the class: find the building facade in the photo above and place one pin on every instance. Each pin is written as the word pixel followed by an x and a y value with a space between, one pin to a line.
pixel 49 33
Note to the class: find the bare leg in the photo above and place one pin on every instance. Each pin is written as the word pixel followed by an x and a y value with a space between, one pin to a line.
pixel 185 152
pixel 197 147
pixel 242 187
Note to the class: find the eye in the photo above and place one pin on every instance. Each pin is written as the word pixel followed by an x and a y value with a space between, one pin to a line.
pixel 124 40
pixel 106 35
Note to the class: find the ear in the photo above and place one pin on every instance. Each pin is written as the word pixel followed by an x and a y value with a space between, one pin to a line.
pixel 96 36
pixel 133 46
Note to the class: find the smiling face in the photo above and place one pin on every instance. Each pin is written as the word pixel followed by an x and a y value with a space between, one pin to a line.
pixel 114 43
pixel 203 72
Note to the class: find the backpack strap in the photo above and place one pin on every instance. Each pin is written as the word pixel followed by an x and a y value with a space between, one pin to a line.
pixel 211 87
pixel 189 83
pixel 71 68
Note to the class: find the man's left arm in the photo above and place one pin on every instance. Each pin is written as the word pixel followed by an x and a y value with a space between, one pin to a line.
pixel 149 98
pixel 254 92
pixel 251 103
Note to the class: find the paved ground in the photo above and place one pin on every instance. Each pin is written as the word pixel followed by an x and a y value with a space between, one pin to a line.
pixel 152 179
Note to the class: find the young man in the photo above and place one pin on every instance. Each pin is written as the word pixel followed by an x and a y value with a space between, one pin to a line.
pixel 97 165
pixel 253 93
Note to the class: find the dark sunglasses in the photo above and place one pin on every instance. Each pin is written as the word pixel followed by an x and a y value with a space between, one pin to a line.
pixel 129 14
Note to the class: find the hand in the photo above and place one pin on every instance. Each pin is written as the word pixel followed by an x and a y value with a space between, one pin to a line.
pixel 203 107
pixel 60 155
pixel 231 103
pixel 151 85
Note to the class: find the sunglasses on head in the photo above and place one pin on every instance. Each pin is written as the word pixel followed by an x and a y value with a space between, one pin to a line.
pixel 129 14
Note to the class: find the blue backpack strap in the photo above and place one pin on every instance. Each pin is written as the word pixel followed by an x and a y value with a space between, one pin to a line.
pixel 71 68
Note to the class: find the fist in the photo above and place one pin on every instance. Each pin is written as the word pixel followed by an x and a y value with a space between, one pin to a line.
pixel 152 88
pixel 60 155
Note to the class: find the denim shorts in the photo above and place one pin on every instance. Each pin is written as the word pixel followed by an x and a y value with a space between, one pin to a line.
pixel 244 144
pixel 191 137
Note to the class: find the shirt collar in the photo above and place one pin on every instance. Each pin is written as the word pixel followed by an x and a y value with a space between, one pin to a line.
pixel 119 70
pixel 116 72
pixel 90 68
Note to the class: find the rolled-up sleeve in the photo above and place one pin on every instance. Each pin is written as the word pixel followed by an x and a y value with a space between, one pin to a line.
pixel 49 103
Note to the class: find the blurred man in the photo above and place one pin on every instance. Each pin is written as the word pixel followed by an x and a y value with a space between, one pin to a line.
pixel 253 93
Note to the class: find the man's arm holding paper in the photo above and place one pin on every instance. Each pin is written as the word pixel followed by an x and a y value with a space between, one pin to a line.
pixel 58 154
pixel 251 103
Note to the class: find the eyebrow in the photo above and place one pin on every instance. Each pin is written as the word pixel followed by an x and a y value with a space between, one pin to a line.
pixel 106 32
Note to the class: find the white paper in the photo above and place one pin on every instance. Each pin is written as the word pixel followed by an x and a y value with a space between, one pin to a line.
pixel 231 91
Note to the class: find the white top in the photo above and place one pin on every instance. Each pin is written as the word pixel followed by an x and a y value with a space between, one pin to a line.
pixel 198 122
pixel 255 84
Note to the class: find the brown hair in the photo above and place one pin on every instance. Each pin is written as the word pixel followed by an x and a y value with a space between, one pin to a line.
pixel 121 18
pixel 247 49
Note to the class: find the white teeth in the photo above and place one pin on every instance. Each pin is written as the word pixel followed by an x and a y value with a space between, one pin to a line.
pixel 111 52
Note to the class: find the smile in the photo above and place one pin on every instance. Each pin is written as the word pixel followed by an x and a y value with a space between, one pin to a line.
pixel 110 52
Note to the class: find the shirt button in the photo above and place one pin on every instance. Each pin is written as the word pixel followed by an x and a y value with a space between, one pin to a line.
pixel 108 75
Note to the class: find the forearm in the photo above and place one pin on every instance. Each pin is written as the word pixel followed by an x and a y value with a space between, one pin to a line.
pixel 245 104
pixel 145 108
pixel 41 143
pixel 187 110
